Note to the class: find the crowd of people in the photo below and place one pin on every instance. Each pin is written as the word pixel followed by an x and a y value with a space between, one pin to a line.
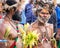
pixel 41 15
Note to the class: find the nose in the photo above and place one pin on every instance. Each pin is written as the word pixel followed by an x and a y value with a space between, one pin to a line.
pixel 45 15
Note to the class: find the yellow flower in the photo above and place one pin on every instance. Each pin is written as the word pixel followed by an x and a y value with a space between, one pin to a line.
pixel 26 26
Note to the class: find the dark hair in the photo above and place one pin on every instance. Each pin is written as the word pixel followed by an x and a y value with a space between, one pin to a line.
pixel 10 3
pixel 37 11
pixel 58 5
pixel 31 1
pixel 17 16
pixel 50 8
pixel 40 3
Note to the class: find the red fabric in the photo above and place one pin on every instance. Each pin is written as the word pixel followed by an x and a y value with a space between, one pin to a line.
pixel 0 17
pixel 14 44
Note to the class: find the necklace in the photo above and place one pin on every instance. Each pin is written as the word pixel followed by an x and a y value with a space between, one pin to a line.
pixel 12 23
pixel 45 33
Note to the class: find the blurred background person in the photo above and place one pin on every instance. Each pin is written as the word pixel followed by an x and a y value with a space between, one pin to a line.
pixel 30 17
pixel 57 9
pixel 22 11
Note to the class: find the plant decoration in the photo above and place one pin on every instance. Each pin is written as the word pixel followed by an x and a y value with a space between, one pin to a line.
pixel 7 32
pixel 53 41
pixel 29 38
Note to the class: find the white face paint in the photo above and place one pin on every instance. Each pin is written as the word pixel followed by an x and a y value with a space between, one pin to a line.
pixel 43 15
pixel 43 19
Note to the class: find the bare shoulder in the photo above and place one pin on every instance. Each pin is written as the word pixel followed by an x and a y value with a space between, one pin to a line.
pixel 34 24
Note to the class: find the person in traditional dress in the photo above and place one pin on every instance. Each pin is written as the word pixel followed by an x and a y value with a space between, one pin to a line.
pixel 44 28
pixel 2 45
pixel 9 28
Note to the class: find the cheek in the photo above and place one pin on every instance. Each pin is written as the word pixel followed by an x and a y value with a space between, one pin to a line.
pixel 48 16
pixel 41 15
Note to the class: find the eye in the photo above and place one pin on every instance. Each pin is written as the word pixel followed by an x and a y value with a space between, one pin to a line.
pixel 44 13
pixel 47 13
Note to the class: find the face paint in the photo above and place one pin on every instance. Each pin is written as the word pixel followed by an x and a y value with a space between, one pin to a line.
pixel 43 19
pixel 43 15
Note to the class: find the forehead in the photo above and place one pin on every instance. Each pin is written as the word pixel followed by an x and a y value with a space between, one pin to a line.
pixel 44 10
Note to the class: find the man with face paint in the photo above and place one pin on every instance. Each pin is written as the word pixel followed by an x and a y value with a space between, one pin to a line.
pixel 44 29
pixel 43 16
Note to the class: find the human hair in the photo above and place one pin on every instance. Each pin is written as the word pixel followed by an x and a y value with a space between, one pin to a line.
pixel 51 7
pixel 40 3
pixel 37 11
pixel 37 0
pixel 40 9
pixel 11 2
pixel 17 16
pixel 31 1
pixel 9 5
pixel 58 5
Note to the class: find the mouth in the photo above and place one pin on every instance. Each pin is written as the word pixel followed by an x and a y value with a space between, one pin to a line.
pixel 43 19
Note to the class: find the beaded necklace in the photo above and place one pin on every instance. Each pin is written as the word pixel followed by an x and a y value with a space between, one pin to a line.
pixel 16 24
pixel 17 28
pixel 14 43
